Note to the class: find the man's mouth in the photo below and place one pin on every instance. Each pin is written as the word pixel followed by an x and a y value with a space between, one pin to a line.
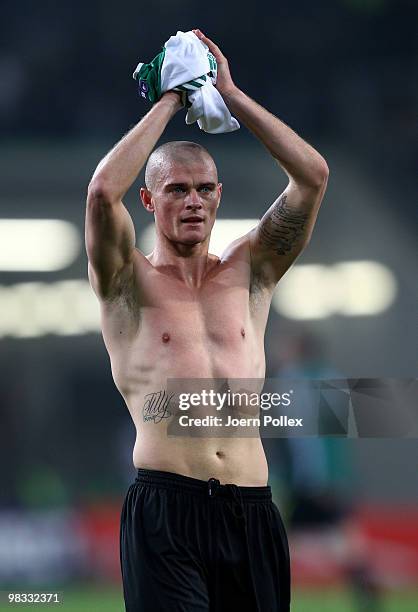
pixel 192 220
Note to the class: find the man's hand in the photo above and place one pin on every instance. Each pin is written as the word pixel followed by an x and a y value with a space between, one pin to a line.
pixel 224 83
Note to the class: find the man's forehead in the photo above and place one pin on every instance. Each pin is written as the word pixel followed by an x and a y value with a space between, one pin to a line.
pixel 194 171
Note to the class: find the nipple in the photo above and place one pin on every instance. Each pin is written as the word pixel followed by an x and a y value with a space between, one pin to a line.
pixel 165 337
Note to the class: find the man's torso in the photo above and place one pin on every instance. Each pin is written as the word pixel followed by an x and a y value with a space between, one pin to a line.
pixel 157 329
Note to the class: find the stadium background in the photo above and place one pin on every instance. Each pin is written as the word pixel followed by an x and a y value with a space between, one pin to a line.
pixel 339 72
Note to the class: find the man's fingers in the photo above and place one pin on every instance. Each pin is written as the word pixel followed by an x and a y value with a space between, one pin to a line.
pixel 213 48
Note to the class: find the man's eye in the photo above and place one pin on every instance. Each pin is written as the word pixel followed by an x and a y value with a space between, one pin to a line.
pixel 206 189
pixel 178 189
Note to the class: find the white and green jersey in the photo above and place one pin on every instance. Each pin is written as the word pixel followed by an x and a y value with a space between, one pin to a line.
pixel 185 64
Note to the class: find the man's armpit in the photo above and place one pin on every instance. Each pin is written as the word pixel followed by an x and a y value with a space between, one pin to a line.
pixel 118 289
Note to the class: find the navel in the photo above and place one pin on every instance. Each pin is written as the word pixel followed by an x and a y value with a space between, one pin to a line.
pixel 165 337
pixel 242 332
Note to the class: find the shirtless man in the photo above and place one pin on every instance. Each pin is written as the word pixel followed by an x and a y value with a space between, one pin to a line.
pixel 199 530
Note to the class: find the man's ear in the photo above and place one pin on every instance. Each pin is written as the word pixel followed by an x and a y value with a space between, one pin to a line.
pixel 146 198
pixel 220 193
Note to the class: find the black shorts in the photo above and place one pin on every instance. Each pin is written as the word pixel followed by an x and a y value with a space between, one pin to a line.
pixel 197 546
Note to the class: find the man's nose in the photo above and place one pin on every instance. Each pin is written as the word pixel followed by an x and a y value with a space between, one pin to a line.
pixel 193 199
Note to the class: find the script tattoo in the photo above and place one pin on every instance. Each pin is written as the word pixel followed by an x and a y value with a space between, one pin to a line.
pixel 284 227
pixel 156 406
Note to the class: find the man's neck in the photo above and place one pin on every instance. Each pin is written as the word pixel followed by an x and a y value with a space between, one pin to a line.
pixel 188 263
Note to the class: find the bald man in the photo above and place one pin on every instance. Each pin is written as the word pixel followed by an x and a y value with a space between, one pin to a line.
pixel 199 530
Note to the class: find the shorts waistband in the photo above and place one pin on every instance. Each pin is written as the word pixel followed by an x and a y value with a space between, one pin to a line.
pixel 211 487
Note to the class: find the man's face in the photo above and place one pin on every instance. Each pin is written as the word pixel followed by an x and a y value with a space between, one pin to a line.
pixel 185 198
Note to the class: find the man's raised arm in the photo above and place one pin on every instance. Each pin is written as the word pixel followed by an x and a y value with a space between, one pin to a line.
pixel 110 234
pixel 286 227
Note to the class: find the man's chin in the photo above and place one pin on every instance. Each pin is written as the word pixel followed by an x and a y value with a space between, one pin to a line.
pixel 193 239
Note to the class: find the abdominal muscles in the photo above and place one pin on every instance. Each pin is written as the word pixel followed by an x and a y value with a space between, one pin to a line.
pixel 186 349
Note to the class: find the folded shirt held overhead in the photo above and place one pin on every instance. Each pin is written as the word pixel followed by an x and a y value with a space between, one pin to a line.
pixel 185 64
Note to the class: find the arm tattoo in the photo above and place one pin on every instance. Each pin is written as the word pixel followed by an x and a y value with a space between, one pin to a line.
pixel 283 228
pixel 156 406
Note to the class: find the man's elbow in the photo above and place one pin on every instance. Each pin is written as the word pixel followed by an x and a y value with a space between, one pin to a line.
pixel 100 192
pixel 320 174
pixel 312 179
pixel 324 171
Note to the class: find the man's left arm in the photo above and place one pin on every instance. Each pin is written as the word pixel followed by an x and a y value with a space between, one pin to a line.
pixel 286 227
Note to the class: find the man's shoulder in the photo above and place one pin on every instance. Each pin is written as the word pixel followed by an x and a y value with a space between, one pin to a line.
pixel 238 249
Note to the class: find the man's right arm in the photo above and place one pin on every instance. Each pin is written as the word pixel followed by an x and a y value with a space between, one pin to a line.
pixel 110 234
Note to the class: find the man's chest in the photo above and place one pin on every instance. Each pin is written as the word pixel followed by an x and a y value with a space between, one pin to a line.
pixel 207 331
pixel 172 314
pixel 216 312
